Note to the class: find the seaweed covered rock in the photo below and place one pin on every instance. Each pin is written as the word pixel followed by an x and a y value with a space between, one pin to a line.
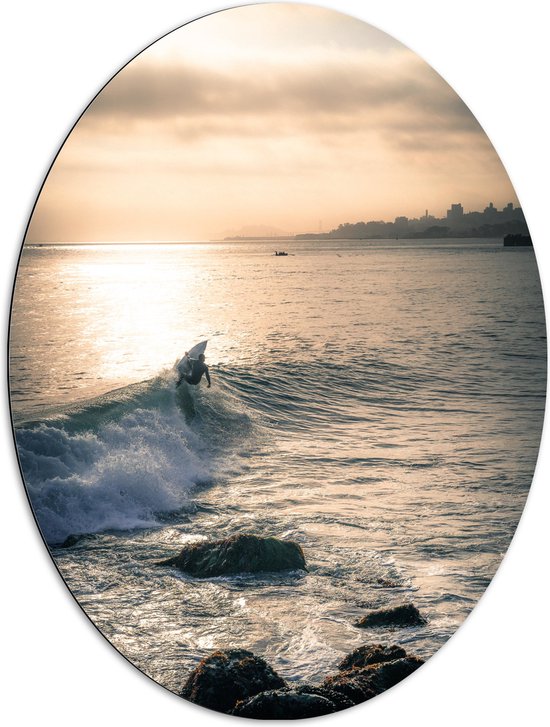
pixel 370 670
pixel 404 615
pixel 300 703
pixel 238 554
pixel 353 684
pixel 389 673
pixel 238 682
pixel 226 677
pixel 371 654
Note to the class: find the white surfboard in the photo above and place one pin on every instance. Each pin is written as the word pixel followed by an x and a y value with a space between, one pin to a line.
pixel 193 353
pixel 196 351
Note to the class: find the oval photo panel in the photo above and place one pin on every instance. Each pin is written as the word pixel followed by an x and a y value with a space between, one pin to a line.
pixel 277 361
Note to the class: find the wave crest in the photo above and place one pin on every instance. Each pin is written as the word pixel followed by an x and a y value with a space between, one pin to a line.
pixel 121 472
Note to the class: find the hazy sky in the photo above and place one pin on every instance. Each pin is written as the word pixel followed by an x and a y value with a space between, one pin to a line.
pixel 278 115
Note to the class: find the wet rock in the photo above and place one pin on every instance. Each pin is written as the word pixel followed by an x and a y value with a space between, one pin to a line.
pixel 72 540
pixel 404 615
pixel 360 678
pixel 339 700
pixel 371 654
pixel 389 673
pixel 287 704
pixel 353 684
pixel 226 677
pixel 238 554
pixel 238 682
pixel 387 583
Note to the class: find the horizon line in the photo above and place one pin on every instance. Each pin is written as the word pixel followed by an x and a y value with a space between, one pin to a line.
pixel 234 238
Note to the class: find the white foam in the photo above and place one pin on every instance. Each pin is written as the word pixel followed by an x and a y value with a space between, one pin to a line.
pixel 117 477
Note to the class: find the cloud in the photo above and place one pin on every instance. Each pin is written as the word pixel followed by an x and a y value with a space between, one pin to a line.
pixel 338 93
pixel 215 131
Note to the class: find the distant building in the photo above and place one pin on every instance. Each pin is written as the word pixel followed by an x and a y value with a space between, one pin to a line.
pixel 509 213
pixel 455 213
pixel 401 225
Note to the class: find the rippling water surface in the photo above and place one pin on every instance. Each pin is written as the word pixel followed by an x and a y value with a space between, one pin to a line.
pixel 381 403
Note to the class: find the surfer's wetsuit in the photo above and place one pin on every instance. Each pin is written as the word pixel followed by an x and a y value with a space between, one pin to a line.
pixel 198 368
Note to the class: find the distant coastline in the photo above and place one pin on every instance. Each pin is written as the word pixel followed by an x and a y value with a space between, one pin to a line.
pixel 457 223
pixel 324 236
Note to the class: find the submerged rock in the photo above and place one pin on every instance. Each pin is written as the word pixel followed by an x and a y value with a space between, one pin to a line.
pixel 238 554
pixel 404 615
pixel 226 677
pixel 371 670
pixel 72 540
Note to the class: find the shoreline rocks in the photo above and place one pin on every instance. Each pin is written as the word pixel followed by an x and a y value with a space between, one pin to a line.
pixel 238 554
pixel 239 683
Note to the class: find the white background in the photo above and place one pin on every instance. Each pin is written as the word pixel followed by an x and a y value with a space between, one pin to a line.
pixel 59 670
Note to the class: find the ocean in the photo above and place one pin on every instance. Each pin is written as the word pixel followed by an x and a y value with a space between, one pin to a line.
pixel 379 402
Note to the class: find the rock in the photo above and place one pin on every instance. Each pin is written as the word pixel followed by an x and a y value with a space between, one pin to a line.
pixel 386 675
pixel 239 683
pixel 404 615
pixel 360 684
pixel 286 704
pixel 339 700
pixel 372 654
pixel 72 540
pixel 353 684
pixel 226 677
pixel 238 554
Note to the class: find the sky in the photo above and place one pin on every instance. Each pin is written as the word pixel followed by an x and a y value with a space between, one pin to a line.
pixel 288 117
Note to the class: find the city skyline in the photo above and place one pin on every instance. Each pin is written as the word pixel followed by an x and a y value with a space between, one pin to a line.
pixel 455 215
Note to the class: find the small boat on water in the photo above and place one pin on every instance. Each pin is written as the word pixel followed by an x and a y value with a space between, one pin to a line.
pixel 281 253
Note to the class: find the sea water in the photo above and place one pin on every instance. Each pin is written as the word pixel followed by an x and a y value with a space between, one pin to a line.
pixel 379 402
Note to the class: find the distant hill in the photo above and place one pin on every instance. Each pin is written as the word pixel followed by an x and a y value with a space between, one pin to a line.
pixel 255 232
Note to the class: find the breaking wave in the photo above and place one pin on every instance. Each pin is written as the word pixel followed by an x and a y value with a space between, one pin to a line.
pixel 128 458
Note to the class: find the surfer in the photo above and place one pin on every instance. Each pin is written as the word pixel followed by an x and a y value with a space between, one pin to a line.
pixel 196 368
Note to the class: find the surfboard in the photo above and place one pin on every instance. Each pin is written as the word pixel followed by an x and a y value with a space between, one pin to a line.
pixel 193 353
pixel 196 351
